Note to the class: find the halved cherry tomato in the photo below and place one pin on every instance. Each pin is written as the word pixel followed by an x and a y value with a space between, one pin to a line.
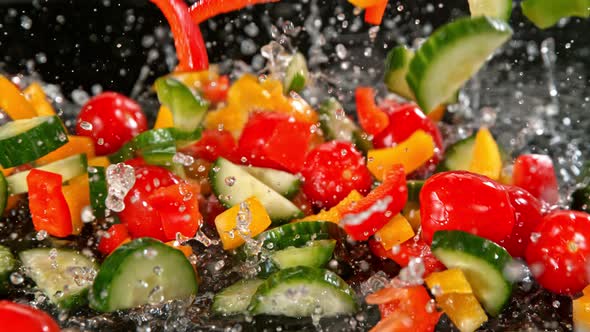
pixel 178 206
pixel 113 238
pixel 49 209
pixel 23 318
pixel 111 120
pixel 535 174
pixel 212 145
pixel 135 162
pixel 558 251
pixel 469 202
pixel 374 211
pixel 332 170
pixel 413 248
pixel 139 215
pixel 527 215
pixel 216 91
pixel 371 118
pixel 204 9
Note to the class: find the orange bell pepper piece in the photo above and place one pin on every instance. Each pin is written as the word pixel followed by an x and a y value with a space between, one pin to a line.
pixel 77 195
pixel 364 3
pixel 226 222
pixel 486 155
pixel 371 118
pixel 374 14
pixel 335 213
pixel 75 145
pixel 437 114
pixel 13 102
pixel 36 96
pixel 398 230
pixel 186 250
pixel 99 162
pixel 164 118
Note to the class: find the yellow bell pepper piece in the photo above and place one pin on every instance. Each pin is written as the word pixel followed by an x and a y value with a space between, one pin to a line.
pixel 412 213
pixel 437 114
pixel 185 249
pixel 411 153
pixel 77 195
pixel 581 314
pixel 463 310
pixel 364 3
pixel 506 175
pixel 164 118
pixel 13 102
pixel 486 155
pixel 75 145
pixel 197 79
pixel 37 98
pixel 6 171
pixel 335 213
pixel 586 290
pixel 396 231
pixel 448 281
pixel 226 223
pixel 99 162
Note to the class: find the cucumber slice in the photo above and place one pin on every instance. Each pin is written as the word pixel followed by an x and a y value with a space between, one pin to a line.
pixel 458 156
pixel 7 265
pixel 232 185
pixel 397 64
pixel 68 168
pixel 546 13
pixel 188 109
pixel 126 152
pixel 23 141
pixel 451 55
pixel 336 126
pixel 483 263
pixel 140 272
pixel 64 275
pixel 235 299
pixel 297 74
pixel 304 291
pixel 315 254
pixel 3 193
pixel 492 8
pixel 414 188
pixel 97 181
pixel 284 183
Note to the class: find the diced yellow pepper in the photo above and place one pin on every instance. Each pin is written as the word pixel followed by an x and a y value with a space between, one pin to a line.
pixel 37 98
pixel 364 3
pixel 463 310
pixel 586 290
pixel 13 102
pixel 486 155
pixel 75 145
pixel 411 153
pixel 77 195
pixel 164 119
pixel 226 223
pixel 437 114
pixel 448 281
pixel 185 249
pixel 197 79
pixel 335 213
pixel 581 315
pixel 6 171
pixel 412 213
pixel 396 231
pixel 99 162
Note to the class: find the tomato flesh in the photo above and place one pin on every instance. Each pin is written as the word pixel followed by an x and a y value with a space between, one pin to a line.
pixel 535 174
pixel 114 237
pixel 23 318
pixel 212 145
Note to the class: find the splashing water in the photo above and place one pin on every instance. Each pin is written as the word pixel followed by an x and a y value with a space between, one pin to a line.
pixel 120 179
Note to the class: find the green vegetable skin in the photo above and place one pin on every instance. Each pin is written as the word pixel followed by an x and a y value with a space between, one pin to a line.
pixel 492 8
pixel 546 13
pixel 188 109
pixel 3 193
pixel 396 68
pixel 7 265
pixel 297 75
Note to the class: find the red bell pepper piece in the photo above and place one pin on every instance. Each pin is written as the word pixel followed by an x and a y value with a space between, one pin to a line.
pixel 188 40
pixel 114 237
pixel 413 248
pixel 178 205
pixel 49 209
pixel 535 174
pixel 370 214
pixel 371 118
pixel 216 90
pixel 374 14
pixel 203 10
pixel 214 144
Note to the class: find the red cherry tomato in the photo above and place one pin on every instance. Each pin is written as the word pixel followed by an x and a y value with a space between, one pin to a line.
pixel 178 206
pixel 527 215
pixel 413 248
pixel 111 120
pixel 113 238
pixel 558 251
pixel 140 217
pixel 216 91
pixel 404 120
pixel 467 202
pixel 23 318
pixel 535 174
pixel 211 208
pixel 212 145
pixel 135 162
pixel 332 170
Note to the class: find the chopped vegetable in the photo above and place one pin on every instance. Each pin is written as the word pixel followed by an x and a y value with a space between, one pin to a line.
pixel 335 213
pixel 178 208
pixel 535 174
pixel 374 14
pixel 164 119
pixel 48 206
pixel 97 183
pixel 252 218
pixel 77 195
pixel 371 118
pixel 13 102
pixel 486 158
pixel 3 194
pixel 395 232
pixel 115 236
pixel 20 317
pixel 205 9
pixel 37 98
pixel 75 145
pixel 403 253
pixel 492 8
pixel 396 68
pixel 581 313
pixel 546 13
pixel 7 265
pixel 235 299
pixel 297 75
pixel 284 183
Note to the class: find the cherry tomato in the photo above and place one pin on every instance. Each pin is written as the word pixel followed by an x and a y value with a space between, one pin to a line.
pixel 467 202
pixel 23 318
pixel 113 238
pixel 178 206
pixel 214 144
pixel 535 174
pixel 216 91
pixel 332 170
pixel 211 208
pixel 527 215
pixel 139 216
pixel 413 248
pixel 558 250
pixel 404 120
pixel 111 120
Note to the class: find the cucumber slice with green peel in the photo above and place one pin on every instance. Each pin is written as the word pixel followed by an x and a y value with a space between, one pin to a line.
pixel 140 272
pixel 492 8
pixel 126 152
pixel 7 265
pixel 23 141
pixel 236 298
pixel 296 75
pixel 68 168
pixel 546 13
pixel 3 193
pixel 188 109
pixel 414 188
pixel 483 263
pixel 458 156
pixel 97 181
pixel 397 64
pixel 232 185
pixel 64 275
pixel 284 183
pixel 451 55
pixel 337 126
pixel 362 142
pixel 304 291
pixel 314 254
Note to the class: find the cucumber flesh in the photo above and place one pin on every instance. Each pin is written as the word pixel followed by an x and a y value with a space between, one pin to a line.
pixel 302 292
pixel 7 265
pixel 235 299
pixel 493 8
pixel 232 185
pixel 458 156
pixel 546 13
pixel 188 109
pixel 68 168
pixel 3 193
pixel 336 126
pixel 282 182
pixel 64 275
pixel 297 75
pixel 140 272
pixel 483 263
pixel 315 254
pixel 397 64
pixel 451 55
pixel 97 181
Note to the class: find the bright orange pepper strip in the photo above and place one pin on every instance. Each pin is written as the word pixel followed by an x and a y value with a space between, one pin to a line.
pixel 13 102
